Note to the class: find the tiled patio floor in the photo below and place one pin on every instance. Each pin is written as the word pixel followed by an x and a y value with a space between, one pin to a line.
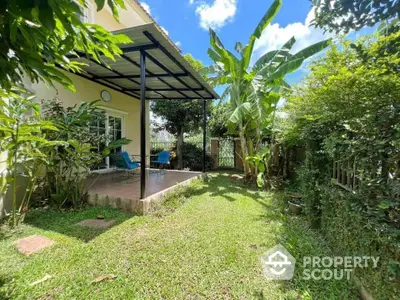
pixel 103 185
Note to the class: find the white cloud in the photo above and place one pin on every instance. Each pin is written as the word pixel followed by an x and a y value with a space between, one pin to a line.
pixel 146 7
pixel 165 30
pixel 217 14
pixel 178 44
pixel 274 36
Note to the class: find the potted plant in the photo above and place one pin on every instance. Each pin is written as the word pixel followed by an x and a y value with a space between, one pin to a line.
pixel 295 204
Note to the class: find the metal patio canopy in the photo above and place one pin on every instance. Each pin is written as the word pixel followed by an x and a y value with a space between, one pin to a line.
pixel 150 68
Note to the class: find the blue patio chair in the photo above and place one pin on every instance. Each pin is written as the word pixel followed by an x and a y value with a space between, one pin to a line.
pixel 162 160
pixel 123 162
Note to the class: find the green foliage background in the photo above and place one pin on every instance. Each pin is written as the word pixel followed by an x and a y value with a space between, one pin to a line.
pixel 38 36
pixel 345 15
pixel 348 109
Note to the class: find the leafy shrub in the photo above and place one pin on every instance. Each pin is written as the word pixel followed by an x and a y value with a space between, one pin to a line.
pixel 347 224
pixel 310 192
pixel 157 150
pixel 311 176
pixel 23 141
pixel 70 164
pixel 348 110
pixel 192 158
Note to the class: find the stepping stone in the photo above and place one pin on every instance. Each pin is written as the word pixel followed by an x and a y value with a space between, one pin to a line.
pixel 96 223
pixel 33 244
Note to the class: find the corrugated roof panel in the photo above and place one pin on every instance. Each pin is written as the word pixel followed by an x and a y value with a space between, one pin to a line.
pixel 165 60
pixel 191 94
pixel 125 83
pixel 192 83
pixel 171 94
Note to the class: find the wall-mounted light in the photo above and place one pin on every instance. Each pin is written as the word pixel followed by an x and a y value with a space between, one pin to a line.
pixel 105 96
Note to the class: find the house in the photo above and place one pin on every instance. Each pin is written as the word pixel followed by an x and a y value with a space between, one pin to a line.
pixel 151 68
pixel 122 111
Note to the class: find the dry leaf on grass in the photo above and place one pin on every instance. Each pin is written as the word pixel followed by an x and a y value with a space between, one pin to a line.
pixel 104 277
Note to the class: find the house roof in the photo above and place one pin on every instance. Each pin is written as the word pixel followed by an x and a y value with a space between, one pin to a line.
pixel 140 6
pixel 168 74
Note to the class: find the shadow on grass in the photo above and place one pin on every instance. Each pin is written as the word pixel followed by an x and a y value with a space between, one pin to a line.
pixel 217 185
pixel 222 184
pixel 4 291
pixel 293 232
pixel 301 240
pixel 65 222
pixel 3 281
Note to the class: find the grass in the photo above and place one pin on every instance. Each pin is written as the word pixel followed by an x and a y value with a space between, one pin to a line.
pixel 205 242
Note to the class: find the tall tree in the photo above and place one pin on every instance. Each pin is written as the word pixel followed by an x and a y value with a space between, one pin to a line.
pixel 254 91
pixel 345 15
pixel 217 125
pixel 180 116
pixel 36 37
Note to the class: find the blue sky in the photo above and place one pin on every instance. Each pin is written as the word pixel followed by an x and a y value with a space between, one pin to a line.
pixel 187 23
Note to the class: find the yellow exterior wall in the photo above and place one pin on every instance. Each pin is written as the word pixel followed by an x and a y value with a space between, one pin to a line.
pixel 132 16
pixel 121 105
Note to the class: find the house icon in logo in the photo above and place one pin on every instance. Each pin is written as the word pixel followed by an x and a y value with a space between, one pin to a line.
pixel 278 264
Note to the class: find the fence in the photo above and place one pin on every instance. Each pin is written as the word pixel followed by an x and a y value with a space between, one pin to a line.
pixel 167 145
pixel 162 145
pixel 226 155
pixel 345 174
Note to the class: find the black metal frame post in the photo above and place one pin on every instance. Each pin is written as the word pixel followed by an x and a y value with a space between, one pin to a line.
pixel 177 79
pixel 204 134
pixel 142 125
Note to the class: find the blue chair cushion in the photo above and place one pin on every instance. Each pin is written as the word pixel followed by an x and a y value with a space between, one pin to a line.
pixel 126 157
pixel 133 165
pixel 124 161
pixel 163 157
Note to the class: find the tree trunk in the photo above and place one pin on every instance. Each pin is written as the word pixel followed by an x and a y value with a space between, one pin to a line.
pixel 276 155
pixel 250 152
pixel 258 137
pixel 179 148
pixel 243 145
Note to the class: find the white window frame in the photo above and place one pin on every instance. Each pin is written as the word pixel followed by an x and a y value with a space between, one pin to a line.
pixel 110 112
pixel 108 115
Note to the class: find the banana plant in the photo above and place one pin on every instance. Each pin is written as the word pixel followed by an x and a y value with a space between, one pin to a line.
pixel 254 90
pixel 260 163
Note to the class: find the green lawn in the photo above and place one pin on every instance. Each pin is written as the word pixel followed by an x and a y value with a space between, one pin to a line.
pixel 205 242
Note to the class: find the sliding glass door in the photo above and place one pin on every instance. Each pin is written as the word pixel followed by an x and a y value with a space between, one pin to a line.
pixel 109 128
